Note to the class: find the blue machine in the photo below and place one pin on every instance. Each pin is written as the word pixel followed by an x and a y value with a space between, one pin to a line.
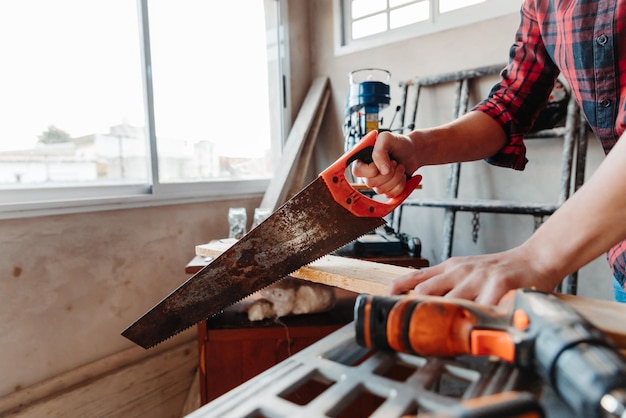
pixel 368 95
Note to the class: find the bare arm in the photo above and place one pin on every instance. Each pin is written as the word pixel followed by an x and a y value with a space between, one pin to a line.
pixel 471 137
pixel 586 226
pixel 589 223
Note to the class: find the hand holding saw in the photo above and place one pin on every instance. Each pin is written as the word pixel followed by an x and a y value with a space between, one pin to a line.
pixel 324 216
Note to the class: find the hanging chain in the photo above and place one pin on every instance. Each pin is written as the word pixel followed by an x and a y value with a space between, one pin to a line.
pixel 475 226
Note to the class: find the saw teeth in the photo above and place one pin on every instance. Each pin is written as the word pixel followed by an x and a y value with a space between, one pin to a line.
pixel 242 299
pixel 237 273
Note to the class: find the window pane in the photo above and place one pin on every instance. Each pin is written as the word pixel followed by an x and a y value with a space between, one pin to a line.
pixel 449 5
pixel 409 14
pixel 396 3
pixel 369 26
pixel 210 89
pixel 362 8
pixel 71 93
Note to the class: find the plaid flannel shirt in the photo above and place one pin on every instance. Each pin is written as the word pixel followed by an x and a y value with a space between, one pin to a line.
pixel 585 41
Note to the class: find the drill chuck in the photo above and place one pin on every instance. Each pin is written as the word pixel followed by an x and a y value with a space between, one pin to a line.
pixel 613 404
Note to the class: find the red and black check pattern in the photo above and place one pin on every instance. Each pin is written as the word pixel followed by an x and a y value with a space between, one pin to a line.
pixel 585 41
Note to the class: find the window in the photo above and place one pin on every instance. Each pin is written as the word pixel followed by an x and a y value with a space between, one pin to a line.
pixel 210 80
pixel 145 99
pixel 367 23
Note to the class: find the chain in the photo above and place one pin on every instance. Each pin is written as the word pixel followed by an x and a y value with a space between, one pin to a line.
pixel 475 226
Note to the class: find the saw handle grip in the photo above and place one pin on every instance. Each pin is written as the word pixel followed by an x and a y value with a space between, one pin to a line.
pixel 430 326
pixel 347 196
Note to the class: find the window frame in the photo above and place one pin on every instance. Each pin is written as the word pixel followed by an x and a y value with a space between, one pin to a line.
pixel 24 202
pixel 438 22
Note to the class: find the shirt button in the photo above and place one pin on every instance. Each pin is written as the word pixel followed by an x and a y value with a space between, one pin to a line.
pixel 605 103
pixel 602 39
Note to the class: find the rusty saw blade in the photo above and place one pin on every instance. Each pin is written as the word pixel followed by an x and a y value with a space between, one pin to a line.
pixel 323 217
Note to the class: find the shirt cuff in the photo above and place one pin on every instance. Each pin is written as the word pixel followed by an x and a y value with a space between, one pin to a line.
pixel 513 154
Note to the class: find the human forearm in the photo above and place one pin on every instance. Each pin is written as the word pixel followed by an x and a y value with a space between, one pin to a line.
pixel 588 224
pixel 473 136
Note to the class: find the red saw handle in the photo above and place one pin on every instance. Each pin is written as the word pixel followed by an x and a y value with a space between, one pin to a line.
pixel 350 198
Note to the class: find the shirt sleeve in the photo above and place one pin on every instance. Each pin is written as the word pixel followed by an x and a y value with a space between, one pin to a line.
pixel 616 257
pixel 523 90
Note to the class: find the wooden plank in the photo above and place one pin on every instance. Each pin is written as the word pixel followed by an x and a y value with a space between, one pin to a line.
pixel 154 387
pixel 362 276
pixel 351 274
pixel 215 247
pixel 89 372
pixel 306 154
pixel 193 401
pixel 606 315
pixel 301 138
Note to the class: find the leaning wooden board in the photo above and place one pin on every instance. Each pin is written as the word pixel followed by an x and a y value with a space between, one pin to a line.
pixel 361 276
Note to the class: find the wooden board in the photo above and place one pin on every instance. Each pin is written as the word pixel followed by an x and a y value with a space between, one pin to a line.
pixel 133 383
pixel 352 274
pixel 374 278
pixel 306 153
pixel 288 178
pixel 193 395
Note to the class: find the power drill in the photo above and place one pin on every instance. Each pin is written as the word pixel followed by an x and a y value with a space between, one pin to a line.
pixel 531 329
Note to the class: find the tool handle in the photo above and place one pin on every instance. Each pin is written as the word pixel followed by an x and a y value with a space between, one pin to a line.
pixel 350 198
pixel 431 326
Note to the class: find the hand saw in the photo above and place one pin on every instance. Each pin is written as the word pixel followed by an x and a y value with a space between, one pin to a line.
pixel 324 216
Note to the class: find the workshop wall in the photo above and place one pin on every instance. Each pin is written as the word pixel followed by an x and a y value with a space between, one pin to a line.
pixel 71 283
pixel 472 46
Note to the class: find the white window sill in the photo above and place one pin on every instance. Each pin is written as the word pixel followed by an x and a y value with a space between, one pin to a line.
pixel 134 197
